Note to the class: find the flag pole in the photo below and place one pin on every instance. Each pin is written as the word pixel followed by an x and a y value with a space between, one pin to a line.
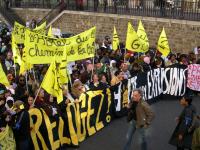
pixel 15 70
pixel 26 77
pixel 125 55
pixel 92 67
pixel 37 94
pixel 70 80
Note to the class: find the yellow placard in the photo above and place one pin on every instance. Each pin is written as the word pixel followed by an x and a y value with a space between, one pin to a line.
pixel 19 31
pixel 81 46
pixel 41 49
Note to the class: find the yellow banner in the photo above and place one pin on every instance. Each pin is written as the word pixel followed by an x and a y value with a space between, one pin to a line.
pixel 81 46
pixel 41 49
pixel 19 31
pixel 163 44
pixel 133 43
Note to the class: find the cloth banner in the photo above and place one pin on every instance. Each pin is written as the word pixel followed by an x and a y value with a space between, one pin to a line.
pixel 81 46
pixel 19 31
pixel 41 49
pixel 193 81
pixel 120 98
pixel 167 81
pixel 74 123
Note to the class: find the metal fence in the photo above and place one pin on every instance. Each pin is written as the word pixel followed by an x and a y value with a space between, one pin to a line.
pixel 175 9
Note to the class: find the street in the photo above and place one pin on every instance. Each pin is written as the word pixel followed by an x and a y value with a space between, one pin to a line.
pixel 112 137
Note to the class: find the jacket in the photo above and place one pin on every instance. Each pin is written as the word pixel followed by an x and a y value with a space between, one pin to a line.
pixel 144 114
pixel 185 127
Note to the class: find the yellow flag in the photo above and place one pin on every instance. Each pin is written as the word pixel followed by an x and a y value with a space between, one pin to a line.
pixel 50 32
pixel 3 77
pixel 163 45
pixel 16 52
pixel 41 29
pixel 143 36
pixel 51 82
pixel 133 42
pixel 115 41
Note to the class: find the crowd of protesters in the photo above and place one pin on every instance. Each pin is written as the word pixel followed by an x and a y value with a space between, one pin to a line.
pixel 108 68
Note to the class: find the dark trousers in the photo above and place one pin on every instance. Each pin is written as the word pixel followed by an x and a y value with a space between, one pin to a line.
pixel 180 148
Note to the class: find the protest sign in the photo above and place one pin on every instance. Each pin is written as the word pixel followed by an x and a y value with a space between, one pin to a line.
pixel 81 46
pixel 193 80
pixel 19 31
pixel 170 81
pixel 41 49
pixel 78 121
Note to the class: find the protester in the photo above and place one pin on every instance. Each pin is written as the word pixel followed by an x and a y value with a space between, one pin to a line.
pixel 146 64
pixel 21 91
pixel 21 127
pixel 140 116
pixel 182 135
pixel 172 60
pixel 108 68
pixel 118 77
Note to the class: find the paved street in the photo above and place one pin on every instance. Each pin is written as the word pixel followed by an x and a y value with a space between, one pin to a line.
pixel 112 137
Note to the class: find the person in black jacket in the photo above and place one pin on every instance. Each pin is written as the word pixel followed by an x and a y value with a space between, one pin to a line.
pixel 21 92
pixel 21 127
pixel 182 135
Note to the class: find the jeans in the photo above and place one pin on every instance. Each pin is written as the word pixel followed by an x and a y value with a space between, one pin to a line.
pixel 130 133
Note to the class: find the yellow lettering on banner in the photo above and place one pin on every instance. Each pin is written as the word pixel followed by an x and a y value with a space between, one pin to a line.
pixel 99 125
pixel 41 49
pixel 109 99
pixel 73 134
pixel 19 31
pixel 81 118
pixel 50 126
pixel 63 140
pixel 91 130
pixel 81 46
pixel 35 128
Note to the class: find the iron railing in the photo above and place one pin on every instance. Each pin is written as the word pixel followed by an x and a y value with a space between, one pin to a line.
pixel 174 9
pixel 34 3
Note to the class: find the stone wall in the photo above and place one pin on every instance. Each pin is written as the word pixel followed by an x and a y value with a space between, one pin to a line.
pixel 183 35
pixel 30 13
pixel 3 19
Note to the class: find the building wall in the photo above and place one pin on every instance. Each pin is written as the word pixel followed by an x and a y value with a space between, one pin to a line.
pixel 28 14
pixel 183 35
pixel 2 19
